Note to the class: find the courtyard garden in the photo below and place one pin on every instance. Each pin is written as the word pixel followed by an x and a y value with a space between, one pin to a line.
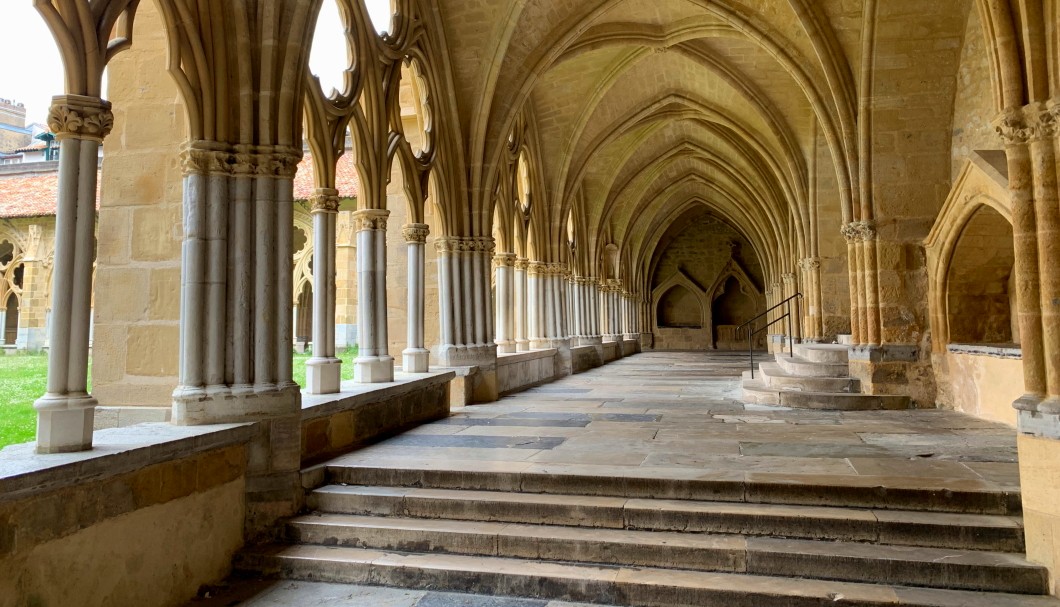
pixel 23 379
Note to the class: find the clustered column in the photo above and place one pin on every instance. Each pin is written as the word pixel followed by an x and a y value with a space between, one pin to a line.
pixel 324 369
pixel 522 342
pixel 236 291
pixel 465 300
pixel 864 298
pixel 506 302
pixel 537 278
pixel 374 363
pixel 416 357
pixel 812 312
pixel 66 412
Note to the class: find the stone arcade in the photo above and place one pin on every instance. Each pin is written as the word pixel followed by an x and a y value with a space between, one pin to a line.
pixel 543 188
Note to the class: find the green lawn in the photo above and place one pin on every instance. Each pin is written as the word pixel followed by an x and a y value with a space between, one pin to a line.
pixel 23 380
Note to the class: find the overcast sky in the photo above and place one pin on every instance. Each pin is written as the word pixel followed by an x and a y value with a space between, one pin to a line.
pixel 31 71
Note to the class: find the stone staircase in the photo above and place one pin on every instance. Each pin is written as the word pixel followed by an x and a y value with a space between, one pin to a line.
pixel 817 376
pixel 620 540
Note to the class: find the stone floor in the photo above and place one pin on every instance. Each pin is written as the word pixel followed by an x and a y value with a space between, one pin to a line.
pixel 674 415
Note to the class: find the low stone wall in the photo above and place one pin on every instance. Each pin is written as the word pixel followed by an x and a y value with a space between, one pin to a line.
pixel 584 358
pixel 630 347
pixel 612 351
pixel 682 339
pixel 334 424
pixel 982 381
pixel 522 370
pixel 122 525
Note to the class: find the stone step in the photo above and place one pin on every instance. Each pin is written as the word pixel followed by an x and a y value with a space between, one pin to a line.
pixel 755 391
pixel 823 353
pixel 794 365
pixel 862 491
pixel 900 528
pixel 843 561
pixel 642 586
pixel 772 375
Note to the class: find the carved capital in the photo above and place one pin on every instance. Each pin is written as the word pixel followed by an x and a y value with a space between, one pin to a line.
pixel 810 263
pixel 788 278
pixel 324 200
pixel 504 260
pixel 859 231
pixel 537 268
pixel 521 263
pixel 80 117
pixel 415 232
pixel 370 219
pixel 211 158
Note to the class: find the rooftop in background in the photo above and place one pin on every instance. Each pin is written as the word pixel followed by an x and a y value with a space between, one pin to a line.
pixel 31 189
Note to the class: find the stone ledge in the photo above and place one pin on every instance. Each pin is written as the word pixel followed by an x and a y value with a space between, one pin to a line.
pixel 995 351
pixel 354 395
pixel 518 357
pixel 1041 425
pixel 115 451
pixel 888 353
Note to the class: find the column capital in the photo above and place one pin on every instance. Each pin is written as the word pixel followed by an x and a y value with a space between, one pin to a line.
pixel 521 263
pixel 465 244
pixel 415 232
pixel 80 117
pixel 788 278
pixel 505 260
pixel 324 200
pixel 1032 122
pixel 537 268
pixel 213 158
pixel 859 231
pixel 370 219
pixel 810 263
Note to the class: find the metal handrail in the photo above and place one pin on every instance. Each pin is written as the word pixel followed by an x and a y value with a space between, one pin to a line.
pixel 751 331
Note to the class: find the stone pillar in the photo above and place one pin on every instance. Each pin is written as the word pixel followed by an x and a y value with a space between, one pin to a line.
pixel 236 294
pixel 324 369
pixel 345 282
pixel 537 293
pixel 66 412
pixel 505 268
pixel 811 272
pixel 415 357
pixel 791 287
pixel 521 311
pixel 373 364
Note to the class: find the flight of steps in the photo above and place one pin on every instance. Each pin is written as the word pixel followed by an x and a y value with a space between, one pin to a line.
pixel 817 376
pixel 658 542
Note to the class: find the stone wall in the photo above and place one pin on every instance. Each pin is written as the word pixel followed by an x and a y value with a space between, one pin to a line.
pixel 136 339
pixel 973 108
pixel 979 381
pixel 135 526
pixel 516 372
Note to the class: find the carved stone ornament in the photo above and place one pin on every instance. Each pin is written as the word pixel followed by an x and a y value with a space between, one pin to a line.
pixel 80 117
pixel 810 263
pixel 210 158
pixel 33 252
pixel 504 260
pixel 415 232
pixel 370 219
pixel 788 278
pixel 324 201
pixel 859 231
pixel 537 268
pixel 521 263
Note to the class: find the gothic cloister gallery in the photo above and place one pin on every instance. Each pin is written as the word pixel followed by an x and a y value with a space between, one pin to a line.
pixel 548 228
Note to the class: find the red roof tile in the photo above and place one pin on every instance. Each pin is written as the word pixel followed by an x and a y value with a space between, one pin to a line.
pixel 345 178
pixel 35 194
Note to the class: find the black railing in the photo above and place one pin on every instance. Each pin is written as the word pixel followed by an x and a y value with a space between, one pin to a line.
pixel 751 331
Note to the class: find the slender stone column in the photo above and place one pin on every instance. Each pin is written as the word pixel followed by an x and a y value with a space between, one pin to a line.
pixel 415 357
pixel 1047 219
pixel 858 328
pixel 871 283
pixel 373 364
pixel 521 312
pixel 3 325
pixel 791 287
pixel 537 289
pixel 66 412
pixel 324 369
pixel 811 268
pixel 504 263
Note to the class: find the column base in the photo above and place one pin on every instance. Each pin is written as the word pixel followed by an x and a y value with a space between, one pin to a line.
pixel 65 423
pixel 610 338
pixel 451 355
pixel 323 375
pixel 522 345
pixel 416 360
pixel 374 370
pixel 506 347
pixel 541 343
pixel 235 404
pixel 590 340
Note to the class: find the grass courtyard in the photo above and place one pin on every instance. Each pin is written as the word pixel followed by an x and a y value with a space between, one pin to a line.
pixel 23 380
